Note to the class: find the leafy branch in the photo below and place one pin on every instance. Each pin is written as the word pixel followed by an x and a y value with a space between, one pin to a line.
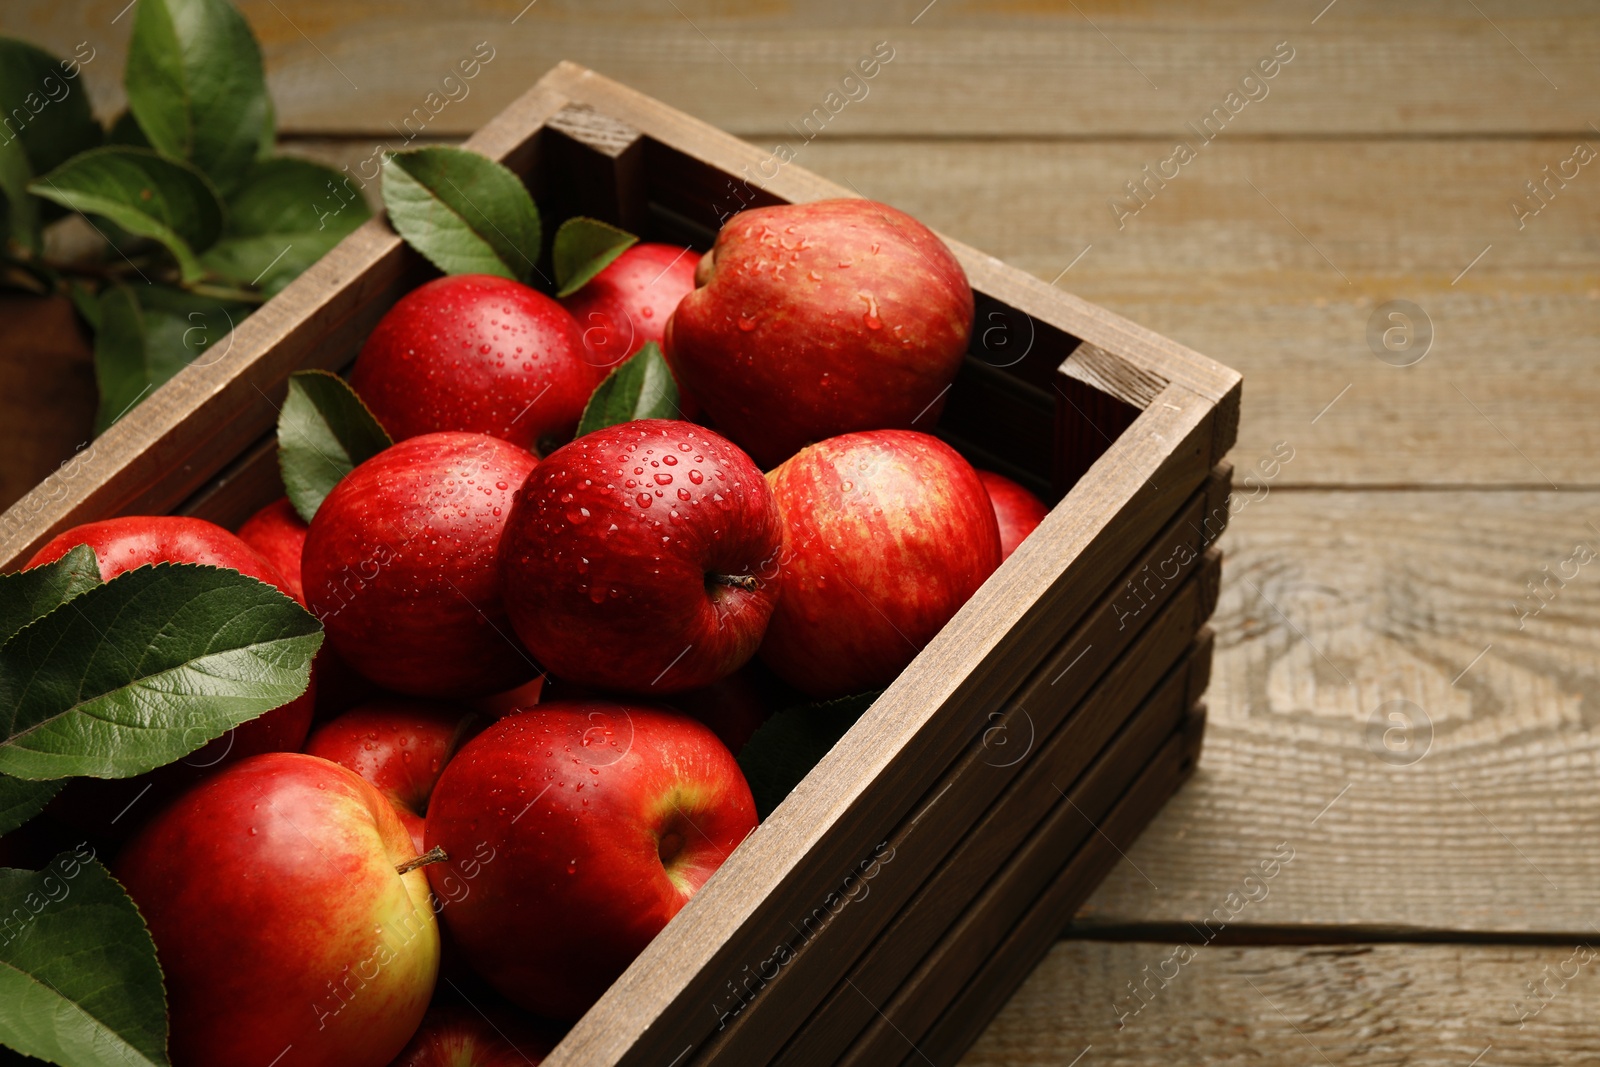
pixel 198 221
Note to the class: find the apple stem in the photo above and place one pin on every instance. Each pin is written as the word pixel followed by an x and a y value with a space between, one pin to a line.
pixel 433 855
pixel 738 581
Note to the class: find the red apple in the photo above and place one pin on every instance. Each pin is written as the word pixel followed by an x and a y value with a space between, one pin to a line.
pixel 639 558
pixel 628 303
pixel 480 354
pixel 284 931
pixel 817 319
pixel 123 544
pixel 1017 510
pixel 603 819
pixel 526 695
pixel 455 1036
pixel 279 533
pixel 400 747
pixel 734 707
pixel 886 534
pixel 401 566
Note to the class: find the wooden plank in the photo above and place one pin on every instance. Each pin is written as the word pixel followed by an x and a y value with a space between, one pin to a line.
pixel 1358 1005
pixel 999 954
pixel 1021 812
pixel 1335 605
pixel 959 67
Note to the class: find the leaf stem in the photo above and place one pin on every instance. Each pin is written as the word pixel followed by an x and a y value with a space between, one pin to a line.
pixel 226 292
pixel 433 855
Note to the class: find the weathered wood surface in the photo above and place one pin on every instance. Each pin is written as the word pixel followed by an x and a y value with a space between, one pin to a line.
pixel 1356 1005
pixel 1383 162
pixel 1336 604
pixel 1094 68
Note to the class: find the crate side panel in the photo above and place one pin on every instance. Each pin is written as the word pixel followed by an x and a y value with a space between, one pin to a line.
pixel 962 1018
pixel 918 950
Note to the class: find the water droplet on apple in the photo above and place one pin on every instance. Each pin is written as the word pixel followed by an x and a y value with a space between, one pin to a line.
pixel 683 494
pixel 644 500
pixel 746 324
pixel 670 460
pixel 663 479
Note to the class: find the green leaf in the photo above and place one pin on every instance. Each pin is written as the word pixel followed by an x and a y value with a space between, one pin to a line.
pixel 44 106
pixel 286 216
pixel 21 207
pixel 146 668
pixel 466 213
pixel 34 593
pixel 85 301
pixel 79 981
pixel 196 85
pixel 641 387
pixel 120 367
pixel 584 247
pixel 21 800
pixel 143 193
pixel 147 334
pixel 324 433
pixel 785 747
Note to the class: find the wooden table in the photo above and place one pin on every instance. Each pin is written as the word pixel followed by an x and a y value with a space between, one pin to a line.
pixel 1394 705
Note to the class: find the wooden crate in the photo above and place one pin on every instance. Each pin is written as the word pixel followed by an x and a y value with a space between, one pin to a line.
pixel 892 902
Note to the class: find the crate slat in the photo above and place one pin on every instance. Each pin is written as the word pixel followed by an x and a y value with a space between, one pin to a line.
pixel 998 971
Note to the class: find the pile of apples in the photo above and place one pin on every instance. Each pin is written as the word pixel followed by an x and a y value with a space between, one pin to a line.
pixel 544 652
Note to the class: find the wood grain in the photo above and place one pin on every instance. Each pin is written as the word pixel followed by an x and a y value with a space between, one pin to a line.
pixel 1097 68
pixel 1358 1005
pixel 1334 605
